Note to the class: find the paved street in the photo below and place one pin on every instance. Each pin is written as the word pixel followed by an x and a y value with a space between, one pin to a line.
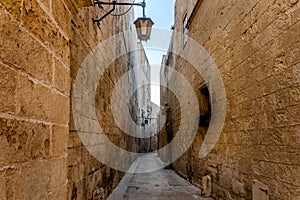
pixel 160 185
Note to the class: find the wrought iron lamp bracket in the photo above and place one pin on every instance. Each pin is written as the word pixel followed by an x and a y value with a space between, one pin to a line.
pixel 114 4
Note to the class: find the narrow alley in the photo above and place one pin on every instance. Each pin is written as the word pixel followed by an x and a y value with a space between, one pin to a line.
pixel 150 99
pixel 163 184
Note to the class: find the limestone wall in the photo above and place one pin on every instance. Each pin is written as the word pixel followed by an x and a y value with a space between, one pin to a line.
pixel 89 178
pixel 255 45
pixel 42 45
pixel 35 89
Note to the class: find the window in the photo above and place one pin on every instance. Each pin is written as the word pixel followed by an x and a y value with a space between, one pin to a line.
pixel 185 30
pixel 205 112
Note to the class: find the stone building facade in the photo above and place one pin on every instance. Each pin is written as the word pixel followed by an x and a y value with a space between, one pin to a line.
pixel 255 45
pixel 143 97
pixel 154 126
pixel 42 46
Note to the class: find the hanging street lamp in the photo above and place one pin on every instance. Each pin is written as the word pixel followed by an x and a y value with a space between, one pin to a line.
pixel 143 27
pixel 143 24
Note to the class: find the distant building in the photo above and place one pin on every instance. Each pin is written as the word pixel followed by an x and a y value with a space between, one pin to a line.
pixel 143 96
pixel 153 125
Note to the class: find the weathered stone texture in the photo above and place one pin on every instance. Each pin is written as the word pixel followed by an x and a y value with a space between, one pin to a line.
pixel 8 89
pixel 62 16
pixel 61 82
pixel 35 90
pixel 89 178
pixel 42 45
pixel 22 51
pixel 256 47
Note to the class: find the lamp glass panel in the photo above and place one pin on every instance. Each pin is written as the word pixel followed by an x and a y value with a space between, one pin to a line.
pixel 144 27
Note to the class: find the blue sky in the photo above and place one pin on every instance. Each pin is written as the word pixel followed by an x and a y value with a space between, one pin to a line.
pixel 162 14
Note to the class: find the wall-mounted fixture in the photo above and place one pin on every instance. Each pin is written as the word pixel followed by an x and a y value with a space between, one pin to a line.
pixel 143 24
pixel 146 120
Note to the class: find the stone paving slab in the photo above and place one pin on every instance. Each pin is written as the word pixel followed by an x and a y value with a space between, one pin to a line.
pixel 163 184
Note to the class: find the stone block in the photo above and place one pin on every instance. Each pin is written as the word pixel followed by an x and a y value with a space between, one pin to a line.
pixel 282 118
pixel 74 156
pixel 34 183
pixel 283 98
pixel 283 155
pixel 293 56
pixel 14 7
pixel 58 174
pixel 48 107
pixel 9 177
pixel 288 173
pixel 225 182
pixel 59 141
pixel 59 194
pixel 21 51
pixel 8 89
pixel 38 22
pixel 294 140
pixel 75 5
pixel 294 115
pixel 23 141
pixel 62 16
pixel 62 79
pixel 239 188
pixel 284 41
pixel 260 153
pixel 2 185
pixel 220 192
pixel 74 141
pixel 77 173
pixel 296 74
